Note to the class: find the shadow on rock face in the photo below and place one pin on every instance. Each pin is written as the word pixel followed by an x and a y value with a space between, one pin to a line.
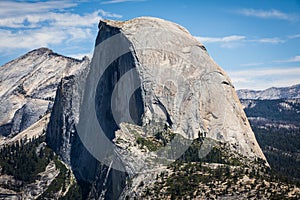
pixel 105 88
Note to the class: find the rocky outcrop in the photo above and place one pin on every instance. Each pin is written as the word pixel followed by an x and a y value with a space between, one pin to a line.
pixel 150 83
pixel 62 137
pixel 28 86
pixel 147 72
pixel 34 190
pixel 180 84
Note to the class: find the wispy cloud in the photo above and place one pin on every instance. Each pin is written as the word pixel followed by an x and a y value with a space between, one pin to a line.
pixel 120 1
pixel 294 59
pixel 269 71
pixel 265 77
pixel 267 14
pixel 231 41
pixel 231 38
pixel 294 36
pixel 26 25
pixel 237 40
pixel 274 40
pixel 55 19
pixel 14 8
pixel 29 39
pixel 109 14
pixel 251 64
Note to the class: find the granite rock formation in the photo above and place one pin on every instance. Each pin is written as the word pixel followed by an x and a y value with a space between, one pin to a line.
pixel 173 85
pixel 180 84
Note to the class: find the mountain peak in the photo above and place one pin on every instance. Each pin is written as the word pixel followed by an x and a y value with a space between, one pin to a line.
pixel 169 62
pixel 151 96
pixel 42 50
pixel 29 84
pixel 143 20
pixel 291 92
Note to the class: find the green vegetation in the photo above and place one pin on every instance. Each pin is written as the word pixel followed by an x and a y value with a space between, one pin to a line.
pixel 280 144
pixel 73 193
pixel 159 139
pixel 272 110
pixel 282 149
pixel 192 174
pixel 217 154
pixel 221 172
pixel 59 183
pixel 165 136
pixel 147 142
pixel 22 160
pixel 25 160
pixel 199 180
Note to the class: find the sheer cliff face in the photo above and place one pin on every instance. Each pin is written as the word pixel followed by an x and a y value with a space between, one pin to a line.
pixel 155 72
pixel 180 84
pixel 144 71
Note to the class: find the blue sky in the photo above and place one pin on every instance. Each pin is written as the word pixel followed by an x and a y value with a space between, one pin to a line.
pixel 256 42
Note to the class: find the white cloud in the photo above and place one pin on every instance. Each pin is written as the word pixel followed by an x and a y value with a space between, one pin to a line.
pixel 294 59
pixel 25 25
pixel 252 64
pixel 13 8
pixel 55 19
pixel 268 71
pixel 109 14
pixel 233 41
pixel 231 38
pixel 60 28
pixel 294 36
pixel 29 39
pixel 274 40
pixel 120 1
pixel 265 78
pixel 266 14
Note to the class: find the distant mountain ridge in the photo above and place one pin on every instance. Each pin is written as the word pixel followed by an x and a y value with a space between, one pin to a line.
pixel 291 92
pixel 274 115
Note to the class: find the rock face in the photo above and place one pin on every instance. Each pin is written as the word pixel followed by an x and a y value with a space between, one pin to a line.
pixel 28 86
pixel 155 72
pixel 292 92
pixel 180 84
pixel 153 75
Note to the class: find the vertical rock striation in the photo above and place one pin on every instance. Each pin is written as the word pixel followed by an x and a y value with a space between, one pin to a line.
pixel 180 83
pixel 153 71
